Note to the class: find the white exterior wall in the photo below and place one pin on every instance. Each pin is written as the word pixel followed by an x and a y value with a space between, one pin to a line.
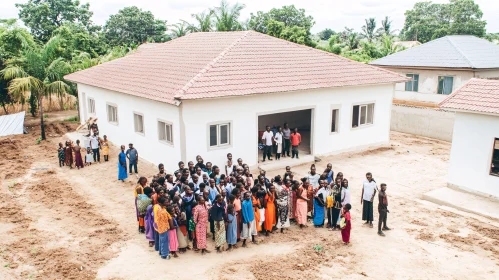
pixel 471 153
pixel 123 133
pixel 242 112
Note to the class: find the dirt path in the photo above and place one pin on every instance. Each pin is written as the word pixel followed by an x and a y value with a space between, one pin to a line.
pixel 58 223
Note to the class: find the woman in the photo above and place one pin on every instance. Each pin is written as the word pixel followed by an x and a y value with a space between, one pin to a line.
pixel 278 143
pixel 336 193
pixel 301 205
pixel 143 202
pixel 163 222
pixel 249 178
pixel 345 231
pixel 122 174
pixel 218 216
pixel 345 193
pixel 237 208
pixel 188 202
pixel 319 204
pixel 149 222
pixel 283 206
pixel 77 150
pixel 270 220
pixel 182 237
pixel 310 195
pixel 231 227
pixel 201 220
pixel 139 189
pixel 172 232
pixel 105 148
pixel 68 154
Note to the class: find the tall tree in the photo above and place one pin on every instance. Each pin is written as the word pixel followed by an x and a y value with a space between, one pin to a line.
pixel 326 34
pixel 428 21
pixel 38 74
pixel 227 17
pixel 204 22
pixel 43 17
pixel 369 29
pixel 179 29
pixel 133 26
pixel 386 27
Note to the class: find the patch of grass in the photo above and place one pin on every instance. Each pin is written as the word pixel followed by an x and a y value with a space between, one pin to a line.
pixel 318 248
pixel 38 140
pixel 7 265
pixel 11 186
pixel 45 115
pixel 72 119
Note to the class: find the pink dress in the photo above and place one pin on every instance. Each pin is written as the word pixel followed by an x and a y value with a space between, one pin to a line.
pixel 172 236
pixel 301 207
pixel 201 220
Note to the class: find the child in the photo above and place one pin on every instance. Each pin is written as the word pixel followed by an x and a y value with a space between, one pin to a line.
pixel 60 154
pixel 228 165
pixel 172 232
pixel 231 227
pixel 88 157
pixel 345 230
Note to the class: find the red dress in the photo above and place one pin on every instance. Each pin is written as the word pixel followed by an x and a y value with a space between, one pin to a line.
pixel 201 220
pixel 345 232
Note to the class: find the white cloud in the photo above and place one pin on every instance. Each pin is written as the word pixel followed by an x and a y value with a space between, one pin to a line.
pixel 327 14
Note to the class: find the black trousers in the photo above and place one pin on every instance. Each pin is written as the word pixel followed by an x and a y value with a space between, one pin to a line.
pixel 382 218
pixel 336 214
pixel 286 147
pixel 134 165
pixel 96 155
pixel 267 151
pixel 294 150
pixel 367 211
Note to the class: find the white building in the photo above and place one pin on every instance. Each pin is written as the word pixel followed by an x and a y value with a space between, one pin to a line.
pixel 474 160
pixel 439 67
pixel 211 93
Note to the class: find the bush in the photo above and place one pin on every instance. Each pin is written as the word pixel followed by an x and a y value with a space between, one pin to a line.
pixel 72 119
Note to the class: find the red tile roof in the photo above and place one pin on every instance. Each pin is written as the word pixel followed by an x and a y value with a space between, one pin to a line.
pixel 219 64
pixel 477 95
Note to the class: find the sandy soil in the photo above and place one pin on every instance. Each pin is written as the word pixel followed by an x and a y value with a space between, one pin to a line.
pixel 57 223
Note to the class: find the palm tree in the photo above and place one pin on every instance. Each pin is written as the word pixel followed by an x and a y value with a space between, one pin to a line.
pixel 386 27
pixel 388 47
pixel 180 29
pixel 368 30
pixel 227 17
pixel 38 73
pixel 204 22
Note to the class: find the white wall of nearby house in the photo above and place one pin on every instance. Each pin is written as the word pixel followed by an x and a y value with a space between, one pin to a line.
pixel 428 82
pixel 123 132
pixel 242 114
pixel 471 153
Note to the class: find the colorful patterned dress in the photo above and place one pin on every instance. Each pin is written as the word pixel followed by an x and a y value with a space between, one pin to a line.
pixel 201 220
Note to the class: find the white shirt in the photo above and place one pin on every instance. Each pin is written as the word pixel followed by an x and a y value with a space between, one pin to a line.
pixel 267 136
pixel 278 137
pixel 94 142
pixel 314 180
pixel 369 188
pixel 345 196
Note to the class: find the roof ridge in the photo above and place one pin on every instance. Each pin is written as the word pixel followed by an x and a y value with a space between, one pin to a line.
pixel 208 66
pixel 459 51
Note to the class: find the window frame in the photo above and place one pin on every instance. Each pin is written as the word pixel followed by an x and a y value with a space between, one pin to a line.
pixel 143 133
pixel 411 75
pixel 438 84
pixel 229 135
pixel 366 105
pixel 494 143
pixel 109 104
pixel 165 141
pixel 338 116
pixel 91 101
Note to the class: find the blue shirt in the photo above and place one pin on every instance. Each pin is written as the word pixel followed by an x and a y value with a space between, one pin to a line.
pixel 247 210
pixel 132 155
pixel 213 193
pixel 330 176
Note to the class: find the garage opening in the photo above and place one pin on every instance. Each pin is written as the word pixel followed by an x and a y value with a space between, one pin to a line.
pixel 301 119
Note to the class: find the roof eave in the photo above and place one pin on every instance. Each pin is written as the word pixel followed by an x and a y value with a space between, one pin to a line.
pixel 434 67
pixel 469 111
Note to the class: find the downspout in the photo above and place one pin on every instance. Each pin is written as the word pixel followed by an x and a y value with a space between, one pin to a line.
pixel 183 150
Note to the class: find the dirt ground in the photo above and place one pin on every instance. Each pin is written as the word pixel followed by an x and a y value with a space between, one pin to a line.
pixel 57 223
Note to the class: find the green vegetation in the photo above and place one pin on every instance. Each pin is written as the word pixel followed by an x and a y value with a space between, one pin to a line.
pixel 72 119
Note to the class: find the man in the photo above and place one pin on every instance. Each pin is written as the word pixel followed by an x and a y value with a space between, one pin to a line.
pixel 195 181
pixel 382 209
pixel 95 146
pixel 169 182
pixel 213 190
pixel 286 133
pixel 161 169
pixel 180 168
pixel 209 169
pixel 295 138
pixel 267 139
pixel 249 225
pixel 368 192
pixel 133 158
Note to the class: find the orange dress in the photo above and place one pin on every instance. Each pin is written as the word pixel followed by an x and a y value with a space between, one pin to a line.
pixel 269 212
pixel 256 209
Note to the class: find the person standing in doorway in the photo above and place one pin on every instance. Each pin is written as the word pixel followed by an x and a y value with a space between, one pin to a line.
pixel 133 158
pixel 267 139
pixel 295 138
pixel 278 143
pixel 368 192
pixel 286 133
pixel 95 146
pixel 382 209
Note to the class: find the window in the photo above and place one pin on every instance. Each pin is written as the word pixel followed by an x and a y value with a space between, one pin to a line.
pixel 413 84
pixel 362 115
pixel 91 106
pixel 494 165
pixel 219 134
pixel 138 121
pixel 445 84
pixel 165 132
pixel 112 113
pixel 334 120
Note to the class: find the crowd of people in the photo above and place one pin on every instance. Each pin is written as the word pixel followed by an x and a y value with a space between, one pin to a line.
pixel 175 211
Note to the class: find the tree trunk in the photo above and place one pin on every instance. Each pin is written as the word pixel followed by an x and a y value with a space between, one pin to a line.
pixel 42 126
pixel 4 108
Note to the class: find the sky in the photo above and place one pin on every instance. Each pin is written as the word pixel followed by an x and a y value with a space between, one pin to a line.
pixel 332 14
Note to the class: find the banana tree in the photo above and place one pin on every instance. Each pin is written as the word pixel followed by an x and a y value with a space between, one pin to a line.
pixel 40 73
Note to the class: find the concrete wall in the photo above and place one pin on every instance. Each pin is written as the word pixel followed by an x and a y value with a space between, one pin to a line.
pixel 428 82
pixel 421 121
pixel 147 144
pixel 471 153
pixel 242 112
